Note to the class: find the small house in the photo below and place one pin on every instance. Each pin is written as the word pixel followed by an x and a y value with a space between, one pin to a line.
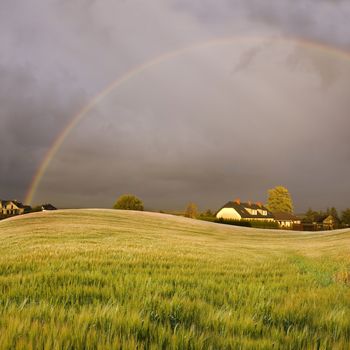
pixel 12 207
pixel 329 223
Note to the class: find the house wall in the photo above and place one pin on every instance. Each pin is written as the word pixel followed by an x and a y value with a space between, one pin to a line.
pixel 288 223
pixel 284 223
pixel 260 219
pixel 228 213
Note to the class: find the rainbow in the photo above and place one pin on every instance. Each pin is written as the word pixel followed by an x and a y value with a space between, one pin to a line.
pixel 75 120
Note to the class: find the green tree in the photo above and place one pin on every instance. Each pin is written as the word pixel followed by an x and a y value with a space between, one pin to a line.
pixel 310 215
pixel 345 216
pixel 191 210
pixel 332 211
pixel 128 202
pixel 280 200
pixel 208 213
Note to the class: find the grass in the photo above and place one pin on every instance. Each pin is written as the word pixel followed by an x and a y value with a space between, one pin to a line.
pixel 103 279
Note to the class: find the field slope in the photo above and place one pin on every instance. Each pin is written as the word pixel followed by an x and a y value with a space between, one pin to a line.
pixel 104 279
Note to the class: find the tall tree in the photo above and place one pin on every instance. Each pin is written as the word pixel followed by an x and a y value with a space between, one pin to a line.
pixel 280 200
pixel 332 211
pixel 310 215
pixel 191 210
pixel 345 216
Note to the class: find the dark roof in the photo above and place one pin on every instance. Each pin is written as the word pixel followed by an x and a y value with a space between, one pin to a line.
pixel 17 203
pixel 240 208
pixel 285 216
pixel 48 207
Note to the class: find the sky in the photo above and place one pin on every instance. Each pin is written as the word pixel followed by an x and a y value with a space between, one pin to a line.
pixel 218 121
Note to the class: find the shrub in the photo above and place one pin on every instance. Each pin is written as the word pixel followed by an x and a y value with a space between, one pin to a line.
pixel 233 222
pixel 207 218
pixel 128 202
pixel 264 224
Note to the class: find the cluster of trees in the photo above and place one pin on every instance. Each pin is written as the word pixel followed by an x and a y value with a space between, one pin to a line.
pixel 279 200
pixel 319 216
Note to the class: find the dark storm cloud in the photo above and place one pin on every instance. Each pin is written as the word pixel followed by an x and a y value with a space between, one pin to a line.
pixel 31 116
pixel 324 20
pixel 205 126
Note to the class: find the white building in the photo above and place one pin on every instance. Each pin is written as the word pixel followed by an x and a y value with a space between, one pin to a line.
pixel 286 220
pixel 245 211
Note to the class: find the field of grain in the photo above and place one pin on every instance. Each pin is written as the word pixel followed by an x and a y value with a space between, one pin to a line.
pixel 104 279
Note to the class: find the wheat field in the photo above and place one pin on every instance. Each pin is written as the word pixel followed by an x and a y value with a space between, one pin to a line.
pixel 108 279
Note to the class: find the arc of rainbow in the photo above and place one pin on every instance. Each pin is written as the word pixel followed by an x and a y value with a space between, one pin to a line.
pixel 144 67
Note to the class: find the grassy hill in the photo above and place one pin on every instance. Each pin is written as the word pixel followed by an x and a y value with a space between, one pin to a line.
pixel 104 279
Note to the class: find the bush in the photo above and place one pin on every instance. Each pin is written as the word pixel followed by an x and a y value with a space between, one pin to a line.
pixel 264 224
pixel 207 218
pixel 233 222
pixel 128 202
pixel 254 223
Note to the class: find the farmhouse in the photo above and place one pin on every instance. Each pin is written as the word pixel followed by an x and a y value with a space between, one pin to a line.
pixel 245 211
pixel 286 220
pixel 9 207
pixel 329 223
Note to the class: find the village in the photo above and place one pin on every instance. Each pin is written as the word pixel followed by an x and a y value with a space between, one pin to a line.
pixel 257 214
pixel 237 213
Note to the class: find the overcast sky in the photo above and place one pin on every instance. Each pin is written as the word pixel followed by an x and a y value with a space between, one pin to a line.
pixel 213 124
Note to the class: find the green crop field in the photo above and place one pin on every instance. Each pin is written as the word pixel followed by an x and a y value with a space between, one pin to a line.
pixel 104 279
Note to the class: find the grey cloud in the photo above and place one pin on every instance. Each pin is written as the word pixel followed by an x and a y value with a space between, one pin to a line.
pixel 186 129
pixel 323 20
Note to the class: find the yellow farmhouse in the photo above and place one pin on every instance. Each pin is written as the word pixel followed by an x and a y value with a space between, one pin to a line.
pixel 245 211
pixel 286 220
pixel 12 208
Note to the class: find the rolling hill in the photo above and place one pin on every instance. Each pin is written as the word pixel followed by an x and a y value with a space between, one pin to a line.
pixel 107 279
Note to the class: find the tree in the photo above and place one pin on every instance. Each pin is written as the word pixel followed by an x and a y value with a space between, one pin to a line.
pixel 280 200
pixel 310 216
pixel 191 210
pixel 128 202
pixel 332 211
pixel 345 216
pixel 209 213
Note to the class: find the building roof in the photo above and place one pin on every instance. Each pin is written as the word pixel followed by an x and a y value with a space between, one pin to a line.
pixel 17 203
pixel 241 210
pixel 280 216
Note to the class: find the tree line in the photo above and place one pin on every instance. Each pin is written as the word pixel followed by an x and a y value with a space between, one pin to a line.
pixel 318 216
pixel 279 200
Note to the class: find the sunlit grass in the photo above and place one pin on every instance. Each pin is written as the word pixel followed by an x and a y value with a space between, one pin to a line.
pixel 99 279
